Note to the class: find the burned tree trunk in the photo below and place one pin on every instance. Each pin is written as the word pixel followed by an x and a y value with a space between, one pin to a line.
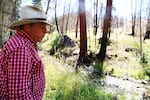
pixel 63 20
pixel 95 17
pixel 77 23
pixel 57 27
pixel 47 6
pixel 133 18
pixel 66 28
pixel 106 30
pixel 83 36
pixel 147 34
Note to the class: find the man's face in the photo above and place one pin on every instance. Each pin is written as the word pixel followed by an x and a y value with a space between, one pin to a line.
pixel 37 31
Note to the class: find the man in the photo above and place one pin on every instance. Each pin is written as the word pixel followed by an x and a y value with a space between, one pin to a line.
pixel 21 70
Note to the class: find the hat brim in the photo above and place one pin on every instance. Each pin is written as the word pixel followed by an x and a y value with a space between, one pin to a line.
pixel 16 25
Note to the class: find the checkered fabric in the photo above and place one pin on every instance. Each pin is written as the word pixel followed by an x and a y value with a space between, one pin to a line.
pixel 21 70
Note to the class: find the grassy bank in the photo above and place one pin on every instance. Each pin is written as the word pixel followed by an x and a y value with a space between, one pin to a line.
pixel 62 83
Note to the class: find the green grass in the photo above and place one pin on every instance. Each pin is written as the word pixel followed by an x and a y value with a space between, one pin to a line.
pixel 145 59
pixel 126 64
pixel 50 43
pixel 62 83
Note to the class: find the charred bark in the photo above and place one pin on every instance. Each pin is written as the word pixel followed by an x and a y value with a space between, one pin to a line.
pixel 62 21
pixel 95 17
pixel 77 23
pixel 57 27
pixel 66 29
pixel 47 6
pixel 106 30
pixel 83 36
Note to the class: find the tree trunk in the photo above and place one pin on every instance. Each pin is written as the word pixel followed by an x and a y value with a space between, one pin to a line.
pixel 133 18
pixel 147 33
pixel 8 14
pixel 83 36
pixel 57 27
pixel 100 15
pixel 133 29
pixel 47 6
pixel 106 28
pixel 63 20
pixel 140 11
pixel 66 29
pixel 95 17
pixel 77 23
pixel 95 20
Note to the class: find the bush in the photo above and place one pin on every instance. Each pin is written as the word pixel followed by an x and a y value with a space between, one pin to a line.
pixel 51 43
pixel 98 69
pixel 145 61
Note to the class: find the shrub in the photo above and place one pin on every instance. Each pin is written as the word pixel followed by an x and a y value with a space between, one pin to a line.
pixel 145 60
pixel 98 69
pixel 50 43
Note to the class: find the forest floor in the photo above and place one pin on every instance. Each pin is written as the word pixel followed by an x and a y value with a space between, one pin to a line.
pixel 122 68
pixel 128 88
pixel 123 71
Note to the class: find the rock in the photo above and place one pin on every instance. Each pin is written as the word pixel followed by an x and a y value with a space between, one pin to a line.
pixel 91 69
pixel 130 49
pixel 144 82
pixel 75 52
pixel 146 96
pixel 67 41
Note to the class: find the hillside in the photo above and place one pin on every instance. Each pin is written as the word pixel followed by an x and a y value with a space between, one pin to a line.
pixel 125 70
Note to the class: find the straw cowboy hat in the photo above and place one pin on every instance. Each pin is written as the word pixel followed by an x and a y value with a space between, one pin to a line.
pixel 29 14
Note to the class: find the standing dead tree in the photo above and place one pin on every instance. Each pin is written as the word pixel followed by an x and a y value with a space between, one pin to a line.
pixel 47 6
pixel 63 20
pixel 56 21
pixel 106 30
pixel 77 24
pixel 133 16
pixel 83 33
pixel 95 19
pixel 66 28
pixel 147 34
pixel 140 11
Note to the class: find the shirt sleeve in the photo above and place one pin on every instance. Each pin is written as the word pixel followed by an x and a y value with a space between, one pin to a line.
pixel 19 75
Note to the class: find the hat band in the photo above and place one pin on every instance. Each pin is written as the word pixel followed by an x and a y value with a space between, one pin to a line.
pixel 36 19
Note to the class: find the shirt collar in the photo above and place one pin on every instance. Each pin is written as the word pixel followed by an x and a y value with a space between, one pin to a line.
pixel 25 34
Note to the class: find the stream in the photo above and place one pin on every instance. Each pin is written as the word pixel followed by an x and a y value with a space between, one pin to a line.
pixel 128 88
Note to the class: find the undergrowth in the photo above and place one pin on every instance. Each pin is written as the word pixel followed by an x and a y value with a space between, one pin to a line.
pixel 130 64
pixel 62 83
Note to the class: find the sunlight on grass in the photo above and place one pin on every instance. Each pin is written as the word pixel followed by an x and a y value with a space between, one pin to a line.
pixel 145 62
pixel 50 42
pixel 123 64
pixel 62 83
pixel 126 64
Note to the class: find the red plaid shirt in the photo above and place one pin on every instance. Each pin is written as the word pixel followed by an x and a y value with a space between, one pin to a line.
pixel 21 70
